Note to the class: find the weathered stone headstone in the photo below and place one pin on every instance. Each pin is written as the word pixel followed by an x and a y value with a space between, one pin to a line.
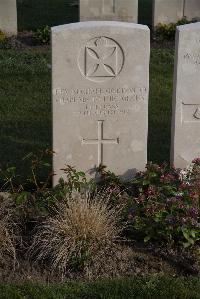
pixel 192 9
pixel 110 10
pixel 167 11
pixel 100 96
pixel 186 102
pixel 8 16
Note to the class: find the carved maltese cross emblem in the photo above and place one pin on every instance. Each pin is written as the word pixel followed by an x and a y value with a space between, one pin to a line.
pixel 101 59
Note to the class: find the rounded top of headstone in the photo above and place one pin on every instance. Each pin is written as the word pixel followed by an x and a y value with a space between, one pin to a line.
pixel 99 24
pixel 189 26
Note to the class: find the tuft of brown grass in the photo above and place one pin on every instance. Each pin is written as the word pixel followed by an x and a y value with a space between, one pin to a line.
pixel 7 224
pixel 82 228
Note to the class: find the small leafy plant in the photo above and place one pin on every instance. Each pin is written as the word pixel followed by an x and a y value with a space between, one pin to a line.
pixel 161 205
pixel 35 191
pixel 43 34
pixel 4 41
pixel 167 208
pixel 167 31
pixel 2 37
pixel 31 191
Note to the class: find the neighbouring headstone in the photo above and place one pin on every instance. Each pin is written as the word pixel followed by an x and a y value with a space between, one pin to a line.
pixel 167 11
pixel 8 16
pixel 110 10
pixel 100 96
pixel 192 9
pixel 186 102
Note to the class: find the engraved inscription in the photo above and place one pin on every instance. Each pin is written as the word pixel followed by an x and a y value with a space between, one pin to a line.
pixel 100 141
pixel 99 102
pixel 190 113
pixel 197 113
pixel 101 59
pixel 192 58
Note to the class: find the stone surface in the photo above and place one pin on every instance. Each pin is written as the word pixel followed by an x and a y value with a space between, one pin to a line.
pixel 192 9
pixel 8 16
pixel 186 101
pixel 110 10
pixel 100 96
pixel 167 11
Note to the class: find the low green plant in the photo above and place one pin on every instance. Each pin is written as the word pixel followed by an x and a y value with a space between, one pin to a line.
pixel 4 41
pixel 2 36
pixel 111 184
pixel 167 31
pixel 43 34
pixel 162 203
pixel 166 209
pixel 31 191
pixel 74 180
pixel 36 194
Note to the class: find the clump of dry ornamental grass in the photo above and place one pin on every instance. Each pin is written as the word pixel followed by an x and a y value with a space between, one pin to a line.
pixel 82 228
pixel 7 225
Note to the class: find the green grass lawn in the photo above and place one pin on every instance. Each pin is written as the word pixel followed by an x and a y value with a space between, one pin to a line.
pixel 25 104
pixel 33 14
pixel 160 104
pixel 137 288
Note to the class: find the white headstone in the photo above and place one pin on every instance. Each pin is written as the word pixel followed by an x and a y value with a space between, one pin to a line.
pixel 100 96
pixel 110 10
pixel 186 102
pixel 192 9
pixel 167 11
pixel 8 16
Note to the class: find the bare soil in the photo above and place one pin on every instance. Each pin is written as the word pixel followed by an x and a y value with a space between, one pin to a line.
pixel 124 261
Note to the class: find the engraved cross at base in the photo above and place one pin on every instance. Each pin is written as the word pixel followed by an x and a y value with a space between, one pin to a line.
pixel 100 142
